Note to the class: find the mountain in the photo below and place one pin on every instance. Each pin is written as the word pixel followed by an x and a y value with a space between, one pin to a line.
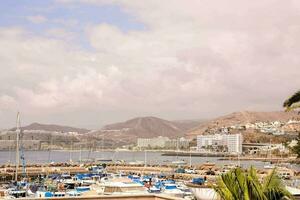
pixel 242 118
pixel 143 127
pixel 53 127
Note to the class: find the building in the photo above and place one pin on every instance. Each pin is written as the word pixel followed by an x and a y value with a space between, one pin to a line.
pixel 232 143
pixel 264 148
pixel 163 142
pixel 180 143
pixel 26 144
pixel 158 142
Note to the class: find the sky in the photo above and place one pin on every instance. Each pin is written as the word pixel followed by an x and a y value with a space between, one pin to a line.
pixel 87 63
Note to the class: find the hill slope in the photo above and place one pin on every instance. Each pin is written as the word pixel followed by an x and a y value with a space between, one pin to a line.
pixel 143 127
pixel 242 118
pixel 53 127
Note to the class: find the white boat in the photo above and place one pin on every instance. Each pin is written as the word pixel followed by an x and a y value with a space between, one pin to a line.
pixel 294 191
pixel 138 162
pixel 86 181
pixel 73 193
pixel 17 193
pixel 118 188
pixel 269 166
pixel 203 192
pixel 172 190
pixel 179 162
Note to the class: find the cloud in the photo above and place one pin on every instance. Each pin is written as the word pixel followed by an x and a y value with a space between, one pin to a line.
pixel 194 59
pixel 36 19
pixel 61 33
pixel 7 103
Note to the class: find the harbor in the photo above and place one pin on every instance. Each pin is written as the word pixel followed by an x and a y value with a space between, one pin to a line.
pixel 120 181
pixel 142 173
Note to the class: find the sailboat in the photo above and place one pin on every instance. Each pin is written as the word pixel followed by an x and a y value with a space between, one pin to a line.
pixel 18 131
pixel 177 161
pixel 17 191
pixel 269 166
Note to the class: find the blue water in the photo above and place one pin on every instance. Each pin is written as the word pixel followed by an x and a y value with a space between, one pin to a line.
pixel 40 157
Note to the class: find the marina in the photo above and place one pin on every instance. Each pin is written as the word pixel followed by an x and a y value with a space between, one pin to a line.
pixel 140 174
pixel 149 100
pixel 99 181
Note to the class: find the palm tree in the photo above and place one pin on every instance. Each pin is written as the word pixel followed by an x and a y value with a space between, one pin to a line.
pixel 293 102
pixel 240 185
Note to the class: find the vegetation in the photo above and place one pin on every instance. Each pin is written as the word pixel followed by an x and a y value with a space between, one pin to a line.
pixel 241 185
pixel 296 148
pixel 293 102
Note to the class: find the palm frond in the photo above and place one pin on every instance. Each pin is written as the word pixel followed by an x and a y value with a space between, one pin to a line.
pixel 274 188
pixel 293 99
pixel 240 185
pixel 292 107
pixel 254 186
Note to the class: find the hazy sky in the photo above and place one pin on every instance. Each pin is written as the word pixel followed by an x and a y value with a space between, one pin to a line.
pixel 91 62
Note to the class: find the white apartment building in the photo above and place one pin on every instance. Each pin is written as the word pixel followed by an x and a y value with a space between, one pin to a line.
pixel 152 142
pixel 179 143
pixel 233 142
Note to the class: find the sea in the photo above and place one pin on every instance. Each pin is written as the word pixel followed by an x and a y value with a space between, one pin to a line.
pixel 151 158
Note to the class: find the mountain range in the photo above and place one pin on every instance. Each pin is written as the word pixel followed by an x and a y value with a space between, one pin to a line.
pixel 128 131
pixel 242 118
pixel 143 127
pixel 53 127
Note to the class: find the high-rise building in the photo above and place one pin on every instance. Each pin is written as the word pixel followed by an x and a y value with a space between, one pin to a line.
pixel 152 142
pixel 179 143
pixel 233 142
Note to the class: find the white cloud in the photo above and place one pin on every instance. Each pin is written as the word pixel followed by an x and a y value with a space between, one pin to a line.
pixel 194 59
pixel 7 103
pixel 61 33
pixel 36 19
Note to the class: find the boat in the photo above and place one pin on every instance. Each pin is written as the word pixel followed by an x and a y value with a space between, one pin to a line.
pixel 103 160
pixel 138 162
pixel 87 181
pixel 17 193
pixel 43 194
pixel 154 189
pixel 59 194
pixel 81 189
pixel 269 166
pixel 73 193
pixel 179 162
pixel 121 186
pixel 203 192
pixel 172 190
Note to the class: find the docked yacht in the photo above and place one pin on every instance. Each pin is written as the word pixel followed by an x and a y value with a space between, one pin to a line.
pixel 171 189
pixel 200 190
pixel 121 186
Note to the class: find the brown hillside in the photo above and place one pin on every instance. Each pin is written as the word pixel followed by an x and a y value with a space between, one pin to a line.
pixel 242 118
pixel 53 127
pixel 142 127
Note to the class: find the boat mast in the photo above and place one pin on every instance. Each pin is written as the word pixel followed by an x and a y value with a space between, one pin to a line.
pixel 80 154
pixel 18 130
pixel 145 163
pixel 190 159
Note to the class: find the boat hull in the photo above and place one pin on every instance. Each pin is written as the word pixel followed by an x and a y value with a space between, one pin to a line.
pixel 204 193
